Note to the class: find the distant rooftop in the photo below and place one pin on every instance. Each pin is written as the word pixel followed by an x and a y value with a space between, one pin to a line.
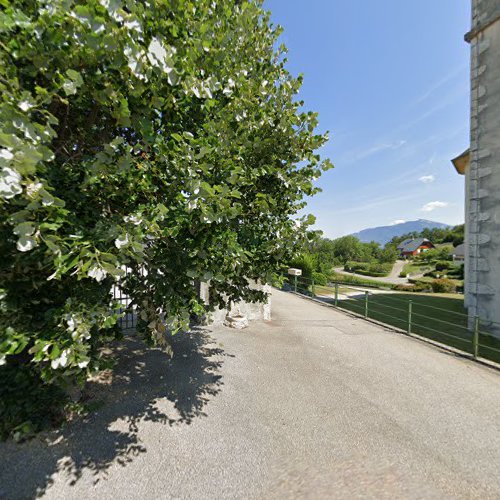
pixel 412 244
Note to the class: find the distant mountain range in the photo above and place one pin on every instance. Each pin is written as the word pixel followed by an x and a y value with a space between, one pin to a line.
pixel 383 234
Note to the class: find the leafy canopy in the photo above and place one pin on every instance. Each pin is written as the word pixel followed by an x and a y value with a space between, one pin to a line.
pixel 162 136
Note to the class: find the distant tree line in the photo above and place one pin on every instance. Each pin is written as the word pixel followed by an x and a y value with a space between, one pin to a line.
pixel 321 255
pixel 453 235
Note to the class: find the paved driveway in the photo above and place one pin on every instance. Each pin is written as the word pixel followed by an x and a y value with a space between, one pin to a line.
pixel 314 404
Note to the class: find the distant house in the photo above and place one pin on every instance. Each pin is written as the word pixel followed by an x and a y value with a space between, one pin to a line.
pixel 414 246
pixel 459 253
pixel 403 244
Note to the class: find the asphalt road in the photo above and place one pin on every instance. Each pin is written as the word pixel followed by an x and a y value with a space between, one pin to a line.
pixel 314 404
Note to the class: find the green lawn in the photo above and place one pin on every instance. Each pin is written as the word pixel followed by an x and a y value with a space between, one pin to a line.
pixel 304 285
pixel 439 317
pixel 328 290
pixel 413 268
pixel 356 280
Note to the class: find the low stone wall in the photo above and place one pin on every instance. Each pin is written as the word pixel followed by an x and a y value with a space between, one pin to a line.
pixel 252 311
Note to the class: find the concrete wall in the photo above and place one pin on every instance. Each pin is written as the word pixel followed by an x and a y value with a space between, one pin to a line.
pixel 252 311
pixel 483 178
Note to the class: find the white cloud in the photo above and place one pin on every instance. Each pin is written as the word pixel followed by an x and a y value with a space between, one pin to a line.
pixel 432 205
pixel 427 179
pixel 396 222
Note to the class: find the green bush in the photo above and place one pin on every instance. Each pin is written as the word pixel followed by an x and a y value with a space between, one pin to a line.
pixel 389 255
pixel 369 268
pixel 434 274
pixel 305 263
pixel 435 254
pixel 372 273
pixel 27 404
pixel 443 286
pixel 457 272
pixel 380 269
pixel 443 265
pixel 356 280
pixel 414 286
pixel 319 279
pixel 421 286
pixel 355 267
pixel 376 270
pixel 404 288
pixel 131 137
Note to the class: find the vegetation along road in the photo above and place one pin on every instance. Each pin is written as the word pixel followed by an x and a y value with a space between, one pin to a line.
pixel 393 277
pixel 313 404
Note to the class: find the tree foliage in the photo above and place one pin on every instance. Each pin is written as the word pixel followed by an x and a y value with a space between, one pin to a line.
pixel 161 136
pixel 304 262
pixel 328 253
pixel 437 235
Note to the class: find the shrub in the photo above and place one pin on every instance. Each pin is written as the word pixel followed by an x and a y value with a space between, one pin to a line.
pixel 305 263
pixel 421 286
pixel 356 280
pixel 368 268
pixel 380 269
pixel 376 270
pixel 443 265
pixel 457 272
pixel 319 278
pixel 356 267
pixel 443 286
pixel 27 404
pixel 434 274
pixel 131 137
pixel 414 286
pixel 389 255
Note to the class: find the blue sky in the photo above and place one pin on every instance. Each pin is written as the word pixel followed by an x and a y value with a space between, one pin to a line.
pixel 390 80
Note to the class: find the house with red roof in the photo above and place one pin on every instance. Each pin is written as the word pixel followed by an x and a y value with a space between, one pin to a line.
pixel 413 246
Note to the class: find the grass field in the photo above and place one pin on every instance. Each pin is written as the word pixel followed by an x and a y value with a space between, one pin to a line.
pixel 438 318
pixel 356 280
pixel 327 291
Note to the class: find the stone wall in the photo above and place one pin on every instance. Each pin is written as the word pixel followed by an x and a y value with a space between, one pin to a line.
pixel 252 311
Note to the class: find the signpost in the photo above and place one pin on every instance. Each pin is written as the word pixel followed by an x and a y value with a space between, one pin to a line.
pixel 295 272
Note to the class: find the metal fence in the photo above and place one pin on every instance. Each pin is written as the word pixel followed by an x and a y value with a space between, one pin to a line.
pixel 128 321
pixel 437 318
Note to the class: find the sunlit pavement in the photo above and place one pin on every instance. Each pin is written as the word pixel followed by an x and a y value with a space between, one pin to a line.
pixel 314 404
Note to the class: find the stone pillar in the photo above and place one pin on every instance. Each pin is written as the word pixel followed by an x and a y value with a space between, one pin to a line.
pixel 482 254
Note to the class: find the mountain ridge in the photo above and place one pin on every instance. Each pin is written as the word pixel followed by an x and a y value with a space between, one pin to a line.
pixel 384 234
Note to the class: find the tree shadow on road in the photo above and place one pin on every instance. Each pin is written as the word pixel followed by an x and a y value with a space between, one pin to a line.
pixel 146 385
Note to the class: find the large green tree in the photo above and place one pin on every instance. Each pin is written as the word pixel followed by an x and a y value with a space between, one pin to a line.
pixel 162 136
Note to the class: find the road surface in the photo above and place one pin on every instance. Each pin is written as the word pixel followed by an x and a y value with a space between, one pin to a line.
pixel 314 404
